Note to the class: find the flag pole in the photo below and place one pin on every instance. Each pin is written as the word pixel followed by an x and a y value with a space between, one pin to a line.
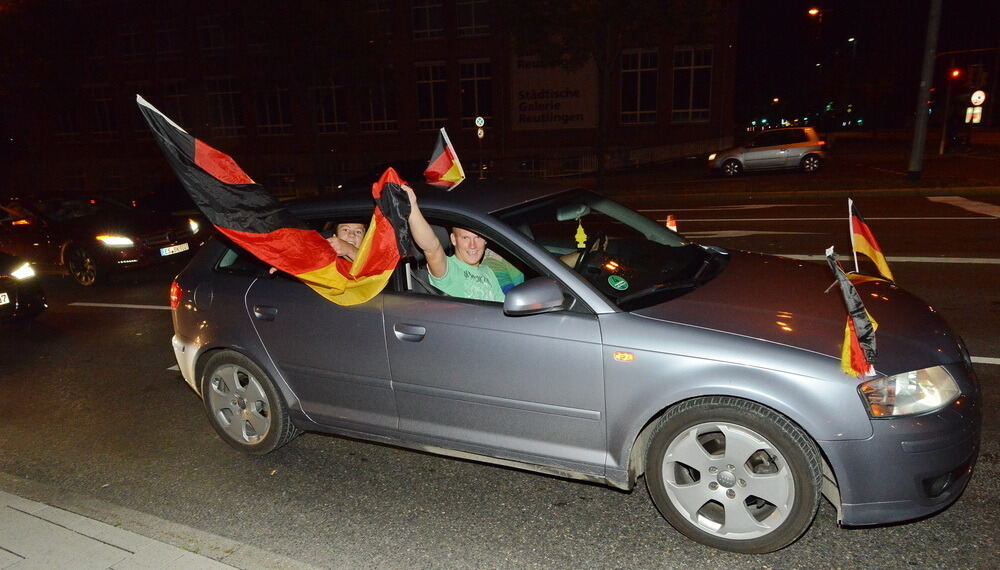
pixel 850 227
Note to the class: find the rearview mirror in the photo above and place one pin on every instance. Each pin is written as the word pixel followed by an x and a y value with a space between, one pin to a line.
pixel 535 296
pixel 572 212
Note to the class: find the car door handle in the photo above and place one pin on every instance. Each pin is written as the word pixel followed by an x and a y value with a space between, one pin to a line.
pixel 412 333
pixel 265 313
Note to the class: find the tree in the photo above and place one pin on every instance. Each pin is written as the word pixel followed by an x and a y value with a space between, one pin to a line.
pixel 569 34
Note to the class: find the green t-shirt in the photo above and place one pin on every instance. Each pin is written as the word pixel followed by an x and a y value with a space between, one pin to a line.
pixel 468 281
pixel 508 276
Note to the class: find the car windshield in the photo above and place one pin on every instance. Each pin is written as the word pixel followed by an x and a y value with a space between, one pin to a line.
pixel 633 260
pixel 63 209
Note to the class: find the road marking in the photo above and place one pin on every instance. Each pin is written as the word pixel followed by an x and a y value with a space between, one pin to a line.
pixel 175 368
pixel 123 306
pixel 733 207
pixel 738 233
pixel 985 360
pixel 974 206
pixel 838 219
pixel 904 259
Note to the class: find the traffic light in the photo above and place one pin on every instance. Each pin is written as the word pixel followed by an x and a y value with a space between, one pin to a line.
pixel 955 73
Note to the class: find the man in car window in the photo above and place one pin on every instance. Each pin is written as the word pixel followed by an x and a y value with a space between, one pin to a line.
pixel 347 239
pixel 460 275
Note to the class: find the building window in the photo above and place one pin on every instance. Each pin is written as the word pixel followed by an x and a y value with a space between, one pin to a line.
pixel 476 87
pixel 175 100
pixel 380 13
pixel 473 17
pixel 213 38
pixel 66 123
pixel 330 108
pixel 432 107
pixel 692 84
pixel 225 106
pixel 135 41
pixel 274 113
pixel 103 116
pixel 378 114
pixel 428 19
pixel 281 182
pixel 165 41
pixel 638 98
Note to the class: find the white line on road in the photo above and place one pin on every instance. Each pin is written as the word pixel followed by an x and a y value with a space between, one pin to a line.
pixel 904 259
pixel 123 306
pixel 175 368
pixel 985 360
pixel 970 205
pixel 840 219
pixel 733 207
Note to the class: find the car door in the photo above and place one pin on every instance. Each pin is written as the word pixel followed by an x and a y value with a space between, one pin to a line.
pixel 530 388
pixel 333 357
pixel 797 144
pixel 767 151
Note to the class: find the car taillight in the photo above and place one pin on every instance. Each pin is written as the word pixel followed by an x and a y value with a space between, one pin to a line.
pixel 821 143
pixel 175 294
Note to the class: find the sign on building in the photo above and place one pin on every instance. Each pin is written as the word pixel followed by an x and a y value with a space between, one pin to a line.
pixel 547 97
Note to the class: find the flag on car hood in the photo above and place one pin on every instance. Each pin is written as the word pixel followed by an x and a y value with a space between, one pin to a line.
pixel 444 169
pixel 863 241
pixel 858 353
pixel 247 214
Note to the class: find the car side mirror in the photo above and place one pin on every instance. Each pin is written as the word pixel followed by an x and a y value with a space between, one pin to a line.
pixel 533 297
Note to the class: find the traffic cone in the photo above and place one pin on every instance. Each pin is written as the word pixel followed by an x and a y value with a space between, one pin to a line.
pixel 671 223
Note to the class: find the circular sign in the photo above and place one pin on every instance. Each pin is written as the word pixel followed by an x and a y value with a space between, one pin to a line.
pixel 978 97
pixel 480 132
pixel 480 122
pixel 618 282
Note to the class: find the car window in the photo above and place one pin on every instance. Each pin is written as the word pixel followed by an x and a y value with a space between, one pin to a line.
pixel 237 261
pixel 768 139
pixel 633 260
pixel 797 136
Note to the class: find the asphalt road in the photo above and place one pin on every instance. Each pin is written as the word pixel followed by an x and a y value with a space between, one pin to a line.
pixel 91 406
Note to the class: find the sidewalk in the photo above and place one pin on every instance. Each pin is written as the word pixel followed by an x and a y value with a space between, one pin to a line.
pixel 34 534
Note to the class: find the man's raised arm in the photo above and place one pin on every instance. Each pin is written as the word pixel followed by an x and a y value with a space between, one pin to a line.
pixel 425 238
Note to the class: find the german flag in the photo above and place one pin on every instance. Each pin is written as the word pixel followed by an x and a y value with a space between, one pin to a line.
pixel 858 353
pixel 863 241
pixel 444 169
pixel 247 214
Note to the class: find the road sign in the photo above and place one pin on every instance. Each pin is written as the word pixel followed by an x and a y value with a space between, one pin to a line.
pixel 480 122
pixel 978 98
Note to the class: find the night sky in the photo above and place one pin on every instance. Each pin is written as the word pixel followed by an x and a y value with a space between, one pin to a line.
pixel 780 45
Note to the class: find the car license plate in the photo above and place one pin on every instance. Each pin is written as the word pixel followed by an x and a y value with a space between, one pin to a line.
pixel 4 299
pixel 173 249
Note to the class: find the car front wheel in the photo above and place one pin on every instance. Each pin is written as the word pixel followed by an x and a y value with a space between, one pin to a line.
pixel 732 168
pixel 811 163
pixel 244 406
pixel 733 474
pixel 82 265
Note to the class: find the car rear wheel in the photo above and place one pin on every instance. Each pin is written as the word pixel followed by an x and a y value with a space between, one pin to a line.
pixel 811 163
pixel 732 168
pixel 244 406
pixel 82 265
pixel 733 474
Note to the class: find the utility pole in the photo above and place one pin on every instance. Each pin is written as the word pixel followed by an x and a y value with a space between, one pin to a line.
pixel 924 92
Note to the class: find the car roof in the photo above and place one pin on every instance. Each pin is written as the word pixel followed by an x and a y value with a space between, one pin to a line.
pixel 475 197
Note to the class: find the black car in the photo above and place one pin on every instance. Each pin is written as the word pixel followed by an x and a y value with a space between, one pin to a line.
pixel 21 296
pixel 91 237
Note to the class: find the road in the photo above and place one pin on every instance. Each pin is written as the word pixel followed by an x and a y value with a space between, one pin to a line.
pixel 92 407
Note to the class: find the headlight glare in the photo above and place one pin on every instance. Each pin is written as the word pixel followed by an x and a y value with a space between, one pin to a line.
pixel 711 156
pixel 114 240
pixel 23 272
pixel 194 225
pixel 910 392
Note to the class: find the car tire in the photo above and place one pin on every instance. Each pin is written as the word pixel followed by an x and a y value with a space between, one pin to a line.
pixel 811 163
pixel 731 168
pixel 244 406
pixel 82 266
pixel 733 474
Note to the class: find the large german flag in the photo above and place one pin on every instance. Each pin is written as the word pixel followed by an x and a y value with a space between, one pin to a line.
pixel 858 353
pixel 246 213
pixel 444 169
pixel 863 241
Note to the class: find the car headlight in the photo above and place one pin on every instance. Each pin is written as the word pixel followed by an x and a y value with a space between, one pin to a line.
pixel 909 393
pixel 711 156
pixel 195 226
pixel 23 272
pixel 115 240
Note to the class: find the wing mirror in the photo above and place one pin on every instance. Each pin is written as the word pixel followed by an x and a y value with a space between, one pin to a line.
pixel 533 297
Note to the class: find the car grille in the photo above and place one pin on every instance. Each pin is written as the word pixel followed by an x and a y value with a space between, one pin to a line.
pixel 166 237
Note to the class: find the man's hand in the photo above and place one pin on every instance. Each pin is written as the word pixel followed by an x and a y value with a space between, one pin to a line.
pixel 342 248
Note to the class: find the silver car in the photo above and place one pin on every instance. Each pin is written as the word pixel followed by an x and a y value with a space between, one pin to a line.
pixel 713 375
pixel 775 149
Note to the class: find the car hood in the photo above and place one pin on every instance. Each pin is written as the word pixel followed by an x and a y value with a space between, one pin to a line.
pixel 130 223
pixel 792 302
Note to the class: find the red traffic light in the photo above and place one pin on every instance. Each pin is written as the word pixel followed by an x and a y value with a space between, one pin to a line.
pixel 956 73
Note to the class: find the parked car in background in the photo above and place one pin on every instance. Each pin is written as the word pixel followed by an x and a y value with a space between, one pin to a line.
pixel 788 148
pixel 21 296
pixel 714 374
pixel 90 238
